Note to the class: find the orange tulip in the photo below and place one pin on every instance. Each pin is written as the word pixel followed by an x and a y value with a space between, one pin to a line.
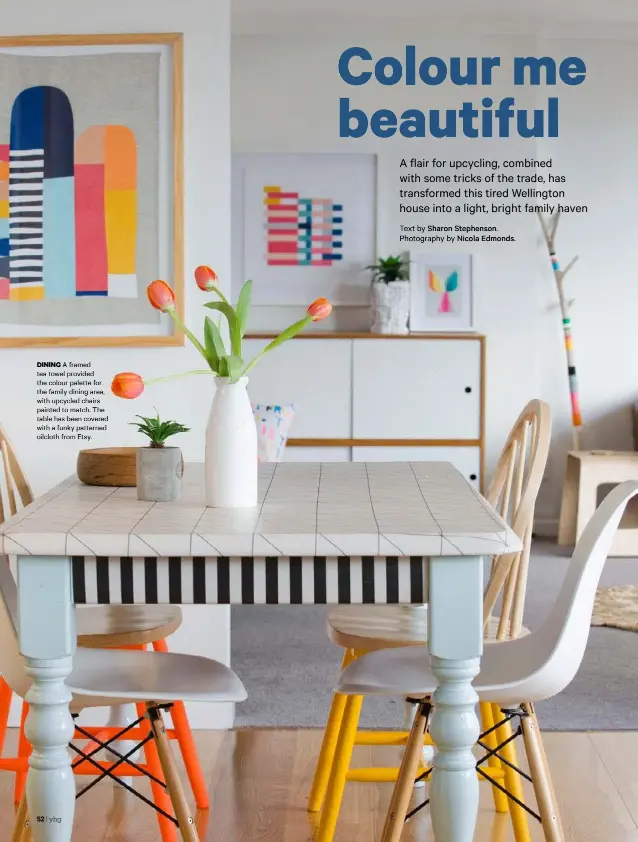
pixel 319 309
pixel 161 296
pixel 205 278
pixel 127 385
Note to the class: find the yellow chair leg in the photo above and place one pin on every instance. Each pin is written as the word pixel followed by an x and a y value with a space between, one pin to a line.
pixel 339 771
pixel 328 745
pixel 501 801
pixel 512 780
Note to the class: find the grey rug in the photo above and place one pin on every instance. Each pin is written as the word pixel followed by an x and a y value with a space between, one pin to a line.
pixel 289 666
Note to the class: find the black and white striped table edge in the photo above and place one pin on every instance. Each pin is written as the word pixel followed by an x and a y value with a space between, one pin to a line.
pixel 249 580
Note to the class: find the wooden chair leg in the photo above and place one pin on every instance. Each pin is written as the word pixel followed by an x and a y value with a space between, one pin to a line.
pixel 168 831
pixel 339 770
pixel 402 792
pixel 541 777
pixel 27 832
pixel 184 735
pixel 185 821
pixel 328 745
pixel 20 831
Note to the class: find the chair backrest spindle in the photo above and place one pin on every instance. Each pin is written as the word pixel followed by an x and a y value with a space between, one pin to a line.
pixel 11 662
pixel 13 480
pixel 513 493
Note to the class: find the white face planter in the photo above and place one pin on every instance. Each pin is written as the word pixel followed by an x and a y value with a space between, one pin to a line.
pixel 390 307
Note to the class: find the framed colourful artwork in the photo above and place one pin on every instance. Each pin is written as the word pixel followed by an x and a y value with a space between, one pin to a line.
pixel 304 226
pixel 90 188
pixel 441 292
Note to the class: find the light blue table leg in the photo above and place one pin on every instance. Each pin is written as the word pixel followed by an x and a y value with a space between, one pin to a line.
pixel 47 639
pixel 455 633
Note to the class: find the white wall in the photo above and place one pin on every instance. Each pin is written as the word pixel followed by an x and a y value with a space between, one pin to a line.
pixel 206 28
pixel 285 97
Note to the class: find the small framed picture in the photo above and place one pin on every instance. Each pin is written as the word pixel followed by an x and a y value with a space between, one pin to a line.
pixel 441 294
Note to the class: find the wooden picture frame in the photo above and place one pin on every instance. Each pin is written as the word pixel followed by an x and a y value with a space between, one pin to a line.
pixel 117 294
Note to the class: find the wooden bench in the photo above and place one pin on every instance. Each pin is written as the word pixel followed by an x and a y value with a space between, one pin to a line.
pixel 586 471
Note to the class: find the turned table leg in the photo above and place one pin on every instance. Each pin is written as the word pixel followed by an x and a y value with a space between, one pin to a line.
pixel 47 638
pixel 456 641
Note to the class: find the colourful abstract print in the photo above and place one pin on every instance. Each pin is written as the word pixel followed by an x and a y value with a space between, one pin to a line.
pixel 68 207
pixel 302 232
pixel 444 283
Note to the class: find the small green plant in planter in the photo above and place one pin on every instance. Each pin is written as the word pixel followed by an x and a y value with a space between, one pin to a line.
pixel 387 270
pixel 390 308
pixel 157 430
pixel 159 468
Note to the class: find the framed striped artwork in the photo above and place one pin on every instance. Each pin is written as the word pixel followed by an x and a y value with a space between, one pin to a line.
pixel 304 226
pixel 90 188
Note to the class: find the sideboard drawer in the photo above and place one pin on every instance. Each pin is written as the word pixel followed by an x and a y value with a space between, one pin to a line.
pixel 315 375
pixel 465 459
pixel 416 389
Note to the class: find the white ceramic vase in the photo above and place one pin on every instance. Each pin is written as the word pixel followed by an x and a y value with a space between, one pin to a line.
pixel 231 461
pixel 390 308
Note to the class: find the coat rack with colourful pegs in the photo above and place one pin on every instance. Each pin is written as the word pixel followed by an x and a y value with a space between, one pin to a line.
pixel 549 232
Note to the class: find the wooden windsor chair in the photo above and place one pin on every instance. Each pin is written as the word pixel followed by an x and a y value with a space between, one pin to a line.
pixel 363 629
pixel 101 627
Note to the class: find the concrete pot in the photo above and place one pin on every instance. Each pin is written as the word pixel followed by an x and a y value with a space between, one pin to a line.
pixel 159 474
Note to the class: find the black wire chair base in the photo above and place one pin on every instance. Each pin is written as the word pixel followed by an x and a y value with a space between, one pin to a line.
pixel 122 758
pixel 509 715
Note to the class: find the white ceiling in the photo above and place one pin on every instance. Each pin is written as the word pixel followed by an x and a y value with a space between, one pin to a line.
pixel 577 18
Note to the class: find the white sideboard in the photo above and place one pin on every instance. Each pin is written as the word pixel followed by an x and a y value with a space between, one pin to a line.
pixel 367 397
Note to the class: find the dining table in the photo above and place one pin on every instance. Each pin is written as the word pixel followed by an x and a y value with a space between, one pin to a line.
pixel 321 534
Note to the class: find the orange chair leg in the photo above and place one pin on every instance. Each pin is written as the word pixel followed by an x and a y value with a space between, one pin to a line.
pixel 24 750
pixel 5 705
pixel 186 744
pixel 168 830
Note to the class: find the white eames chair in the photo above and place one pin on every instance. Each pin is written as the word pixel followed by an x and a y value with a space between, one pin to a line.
pixel 514 673
pixel 104 677
pixel 367 628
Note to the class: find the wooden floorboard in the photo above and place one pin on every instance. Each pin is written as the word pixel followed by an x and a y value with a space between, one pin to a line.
pixel 259 780
pixel 618 751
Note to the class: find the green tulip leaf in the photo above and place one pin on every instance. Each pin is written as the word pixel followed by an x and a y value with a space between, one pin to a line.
pixel 233 324
pixel 214 344
pixel 288 333
pixel 243 306
pixel 222 370
pixel 235 367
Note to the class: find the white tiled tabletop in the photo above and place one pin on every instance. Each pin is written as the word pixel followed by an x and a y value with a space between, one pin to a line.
pixel 304 509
